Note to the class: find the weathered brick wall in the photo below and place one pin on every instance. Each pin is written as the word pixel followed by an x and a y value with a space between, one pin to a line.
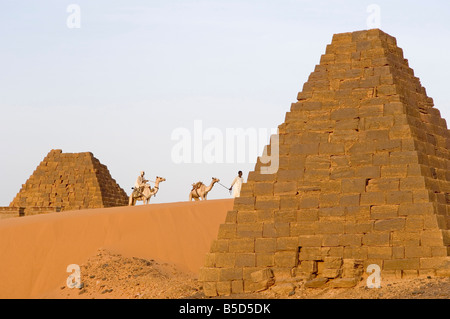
pixel 363 178
pixel 70 181
pixel 8 212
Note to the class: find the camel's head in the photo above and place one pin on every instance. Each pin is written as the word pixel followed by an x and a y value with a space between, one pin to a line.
pixel 160 179
pixel 215 180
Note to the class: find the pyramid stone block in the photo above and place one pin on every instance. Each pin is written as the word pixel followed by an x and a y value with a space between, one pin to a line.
pixel 364 172
pixel 70 181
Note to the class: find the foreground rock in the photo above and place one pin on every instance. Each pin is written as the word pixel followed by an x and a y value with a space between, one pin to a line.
pixel 108 275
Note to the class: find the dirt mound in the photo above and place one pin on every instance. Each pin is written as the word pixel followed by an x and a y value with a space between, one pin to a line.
pixel 107 275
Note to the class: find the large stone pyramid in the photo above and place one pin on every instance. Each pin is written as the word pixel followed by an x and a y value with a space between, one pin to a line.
pixel 70 181
pixel 363 179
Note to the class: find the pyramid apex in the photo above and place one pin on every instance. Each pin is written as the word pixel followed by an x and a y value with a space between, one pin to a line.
pixel 363 35
pixel 53 153
pixel 60 152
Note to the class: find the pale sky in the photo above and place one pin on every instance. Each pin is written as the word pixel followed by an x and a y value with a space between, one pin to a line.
pixel 135 71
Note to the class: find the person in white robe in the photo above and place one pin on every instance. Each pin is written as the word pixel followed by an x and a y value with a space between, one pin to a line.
pixel 141 182
pixel 236 185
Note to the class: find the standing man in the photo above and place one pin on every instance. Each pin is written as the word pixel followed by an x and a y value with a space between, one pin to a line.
pixel 237 183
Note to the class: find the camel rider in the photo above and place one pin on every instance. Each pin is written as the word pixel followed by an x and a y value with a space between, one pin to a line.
pixel 141 183
pixel 236 185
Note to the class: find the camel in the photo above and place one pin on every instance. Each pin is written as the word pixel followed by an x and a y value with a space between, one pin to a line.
pixel 146 194
pixel 200 190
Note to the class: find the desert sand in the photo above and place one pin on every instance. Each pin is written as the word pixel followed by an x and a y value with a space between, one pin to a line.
pixel 36 250
pixel 151 251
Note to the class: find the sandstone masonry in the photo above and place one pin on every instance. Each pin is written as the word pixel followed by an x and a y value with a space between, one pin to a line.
pixel 363 179
pixel 67 181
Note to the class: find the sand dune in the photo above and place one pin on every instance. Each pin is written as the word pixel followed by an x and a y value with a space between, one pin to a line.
pixel 36 250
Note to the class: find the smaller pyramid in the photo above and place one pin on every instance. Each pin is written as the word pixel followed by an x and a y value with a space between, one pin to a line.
pixel 70 181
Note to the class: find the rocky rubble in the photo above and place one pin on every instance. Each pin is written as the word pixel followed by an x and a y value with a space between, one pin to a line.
pixel 108 275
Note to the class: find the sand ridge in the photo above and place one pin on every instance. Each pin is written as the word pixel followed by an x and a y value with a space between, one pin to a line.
pixel 36 250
